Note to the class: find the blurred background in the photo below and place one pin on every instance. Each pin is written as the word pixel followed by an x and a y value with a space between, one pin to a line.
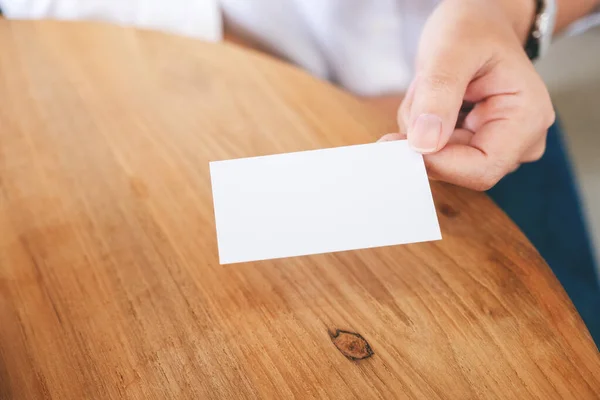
pixel 572 72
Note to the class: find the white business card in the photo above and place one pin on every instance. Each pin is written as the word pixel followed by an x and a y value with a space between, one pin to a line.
pixel 321 201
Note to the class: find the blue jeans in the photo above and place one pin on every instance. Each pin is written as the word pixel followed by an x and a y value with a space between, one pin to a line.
pixel 542 199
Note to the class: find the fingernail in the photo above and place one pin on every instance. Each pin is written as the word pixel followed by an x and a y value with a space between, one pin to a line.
pixel 426 132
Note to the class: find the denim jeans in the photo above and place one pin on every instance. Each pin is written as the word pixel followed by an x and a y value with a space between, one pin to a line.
pixel 542 199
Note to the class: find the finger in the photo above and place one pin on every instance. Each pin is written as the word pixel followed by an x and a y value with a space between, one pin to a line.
pixel 482 163
pixel 502 77
pixel 536 151
pixel 494 108
pixel 443 75
pixel 461 136
pixel 391 137
pixel 532 106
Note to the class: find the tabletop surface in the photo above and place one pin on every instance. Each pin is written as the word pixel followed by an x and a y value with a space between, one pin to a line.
pixel 110 286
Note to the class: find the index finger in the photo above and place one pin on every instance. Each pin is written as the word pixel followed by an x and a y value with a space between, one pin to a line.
pixel 480 164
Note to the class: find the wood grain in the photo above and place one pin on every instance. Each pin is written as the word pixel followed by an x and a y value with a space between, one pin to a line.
pixel 110 286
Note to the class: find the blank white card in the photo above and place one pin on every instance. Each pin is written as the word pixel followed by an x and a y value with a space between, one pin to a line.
pixel 322 201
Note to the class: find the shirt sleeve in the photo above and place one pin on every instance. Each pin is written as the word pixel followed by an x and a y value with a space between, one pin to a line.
pixel 585 23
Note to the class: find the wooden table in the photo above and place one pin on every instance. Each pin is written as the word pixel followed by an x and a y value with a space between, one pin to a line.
pixel 110 286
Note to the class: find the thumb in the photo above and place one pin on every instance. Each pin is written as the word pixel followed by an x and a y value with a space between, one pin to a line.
pixel 436 103
pixel 439 88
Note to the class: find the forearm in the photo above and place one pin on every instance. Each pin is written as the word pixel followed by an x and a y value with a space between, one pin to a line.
pixel 570 11
pixel 521 13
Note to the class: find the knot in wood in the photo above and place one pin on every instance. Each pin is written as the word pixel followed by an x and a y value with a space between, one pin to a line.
pixel 352 345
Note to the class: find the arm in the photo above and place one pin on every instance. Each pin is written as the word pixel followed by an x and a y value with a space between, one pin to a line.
pixel 522 13
pixel 570 11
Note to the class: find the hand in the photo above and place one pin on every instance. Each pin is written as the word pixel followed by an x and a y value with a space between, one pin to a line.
pixel 471 52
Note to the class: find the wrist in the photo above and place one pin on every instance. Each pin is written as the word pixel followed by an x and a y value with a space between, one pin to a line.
pixel 521 14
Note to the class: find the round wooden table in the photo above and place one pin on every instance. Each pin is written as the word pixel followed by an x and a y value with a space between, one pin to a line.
pixel 110 286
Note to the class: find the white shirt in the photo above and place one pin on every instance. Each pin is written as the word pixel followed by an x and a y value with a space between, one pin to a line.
pixel 196 18
pixel 366 46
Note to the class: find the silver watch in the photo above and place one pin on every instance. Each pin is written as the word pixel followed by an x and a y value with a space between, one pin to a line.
pixel 542 29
